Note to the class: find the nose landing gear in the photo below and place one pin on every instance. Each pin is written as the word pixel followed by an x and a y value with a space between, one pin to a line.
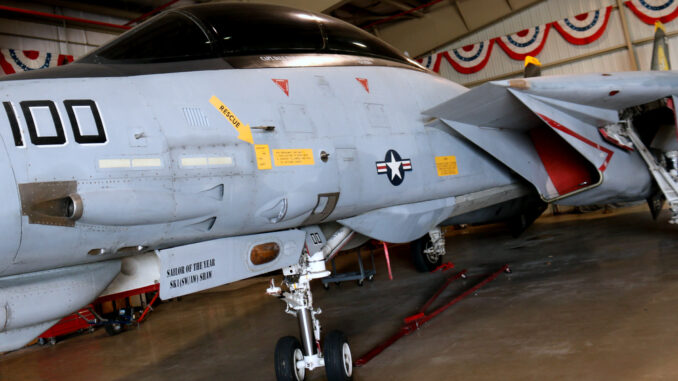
pixel 293 357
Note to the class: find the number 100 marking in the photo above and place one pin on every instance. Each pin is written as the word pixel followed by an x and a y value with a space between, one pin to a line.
pixel 60 137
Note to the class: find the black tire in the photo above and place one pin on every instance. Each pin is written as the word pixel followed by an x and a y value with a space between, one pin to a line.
pixel 287 352
pixel 422 262
pixel 113 329
pixel 337 354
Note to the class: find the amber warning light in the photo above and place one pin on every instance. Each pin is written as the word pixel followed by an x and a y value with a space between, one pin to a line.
pixel 264 253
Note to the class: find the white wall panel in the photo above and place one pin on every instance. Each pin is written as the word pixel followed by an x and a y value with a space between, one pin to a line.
pixel 608 53
pixel 544 12
pixel 611 62
pixel 556 49
pixel 75 41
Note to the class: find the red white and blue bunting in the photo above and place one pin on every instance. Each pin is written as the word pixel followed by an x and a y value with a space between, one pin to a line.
pixel 527 42
pixel 650 11
pixel 584 28
pixel 468 59
pixel 15 61
pixel 581 29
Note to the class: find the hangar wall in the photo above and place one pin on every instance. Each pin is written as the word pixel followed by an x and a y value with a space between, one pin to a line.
pixel 56 39
pixel 608 53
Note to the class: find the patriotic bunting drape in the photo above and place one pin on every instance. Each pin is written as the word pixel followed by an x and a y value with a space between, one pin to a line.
pixel 584 28
pixel 650 11
pixel 15 61
pixel 581 29
pixel 468 59
pixel 528 42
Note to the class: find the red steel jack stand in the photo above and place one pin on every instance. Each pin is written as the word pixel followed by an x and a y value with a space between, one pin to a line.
pixel 412 323
pixel 149 307
pixel 388 261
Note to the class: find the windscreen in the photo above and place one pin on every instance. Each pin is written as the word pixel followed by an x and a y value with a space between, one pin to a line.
pixel 238 30
pixel 342 38
pixel 255 29
pixel 242 31
pixel 169 38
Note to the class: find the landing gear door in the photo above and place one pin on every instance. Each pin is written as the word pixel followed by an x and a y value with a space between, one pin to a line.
pixel 10 212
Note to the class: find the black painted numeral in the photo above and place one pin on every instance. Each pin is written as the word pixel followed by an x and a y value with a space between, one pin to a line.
pixel 100 137
pixel 13 124
pixel 60 137
pixel 36 139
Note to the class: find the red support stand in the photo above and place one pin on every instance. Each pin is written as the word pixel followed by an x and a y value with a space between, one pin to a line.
pixel 388 261
pixel 149 307
pixel 414 322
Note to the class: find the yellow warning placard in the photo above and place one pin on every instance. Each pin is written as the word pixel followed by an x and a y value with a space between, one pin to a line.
pixel 447 165
pixel 263 155
pixel 244 131
pixel 297 156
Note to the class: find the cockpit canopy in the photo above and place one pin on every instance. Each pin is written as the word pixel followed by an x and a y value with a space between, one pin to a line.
pixel 238 30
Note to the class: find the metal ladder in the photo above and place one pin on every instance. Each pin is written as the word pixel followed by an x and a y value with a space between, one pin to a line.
pixel 665 181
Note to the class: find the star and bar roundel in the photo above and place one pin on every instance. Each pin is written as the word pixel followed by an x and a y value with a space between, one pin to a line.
pixel 394 167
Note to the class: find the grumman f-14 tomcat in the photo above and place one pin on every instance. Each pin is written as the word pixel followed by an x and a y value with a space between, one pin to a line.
pixel 219 142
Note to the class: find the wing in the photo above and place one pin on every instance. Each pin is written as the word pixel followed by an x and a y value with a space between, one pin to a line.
pixel 552 130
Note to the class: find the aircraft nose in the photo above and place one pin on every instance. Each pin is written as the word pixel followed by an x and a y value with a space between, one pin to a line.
pixel 10 212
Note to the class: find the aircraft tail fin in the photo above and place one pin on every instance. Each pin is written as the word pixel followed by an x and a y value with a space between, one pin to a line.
pixel 660 49
pixel 532 67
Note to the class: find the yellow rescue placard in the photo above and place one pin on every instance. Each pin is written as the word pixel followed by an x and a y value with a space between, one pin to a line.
pixel 446 165
pixel 298 156
pixel 263 155
pixel 244 131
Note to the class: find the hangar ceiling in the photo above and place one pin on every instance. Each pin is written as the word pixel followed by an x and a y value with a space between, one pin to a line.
pixel 413 26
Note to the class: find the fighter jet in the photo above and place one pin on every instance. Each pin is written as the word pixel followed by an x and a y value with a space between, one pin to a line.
pixel 222 141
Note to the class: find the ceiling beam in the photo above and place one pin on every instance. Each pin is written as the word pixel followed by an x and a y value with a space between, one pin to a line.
pixel 335 6
pixel 404 7
pixel 461 14
pixel 91 8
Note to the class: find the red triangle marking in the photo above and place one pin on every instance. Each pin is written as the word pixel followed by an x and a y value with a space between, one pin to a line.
pixel 363 81
pixel 284 85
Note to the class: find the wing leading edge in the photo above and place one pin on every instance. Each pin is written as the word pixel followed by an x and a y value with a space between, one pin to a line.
pixel 548 130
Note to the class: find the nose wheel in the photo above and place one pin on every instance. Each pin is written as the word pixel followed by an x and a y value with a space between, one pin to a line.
pixel 294 357
pixel 338 359
pixel 288 354
pixel 290 364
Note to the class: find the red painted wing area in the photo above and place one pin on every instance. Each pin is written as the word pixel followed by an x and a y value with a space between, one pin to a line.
pixel 567 169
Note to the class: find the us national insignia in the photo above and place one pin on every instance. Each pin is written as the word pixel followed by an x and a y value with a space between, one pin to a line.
pixel 394 167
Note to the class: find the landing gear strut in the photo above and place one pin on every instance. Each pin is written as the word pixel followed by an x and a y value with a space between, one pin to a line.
pixel 427 251
pixel 294 357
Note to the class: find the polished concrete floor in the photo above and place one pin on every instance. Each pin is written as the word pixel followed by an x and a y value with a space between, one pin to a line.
pixel 590 297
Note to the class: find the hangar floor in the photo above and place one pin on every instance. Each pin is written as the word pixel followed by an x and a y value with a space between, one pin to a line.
pixel 591 297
